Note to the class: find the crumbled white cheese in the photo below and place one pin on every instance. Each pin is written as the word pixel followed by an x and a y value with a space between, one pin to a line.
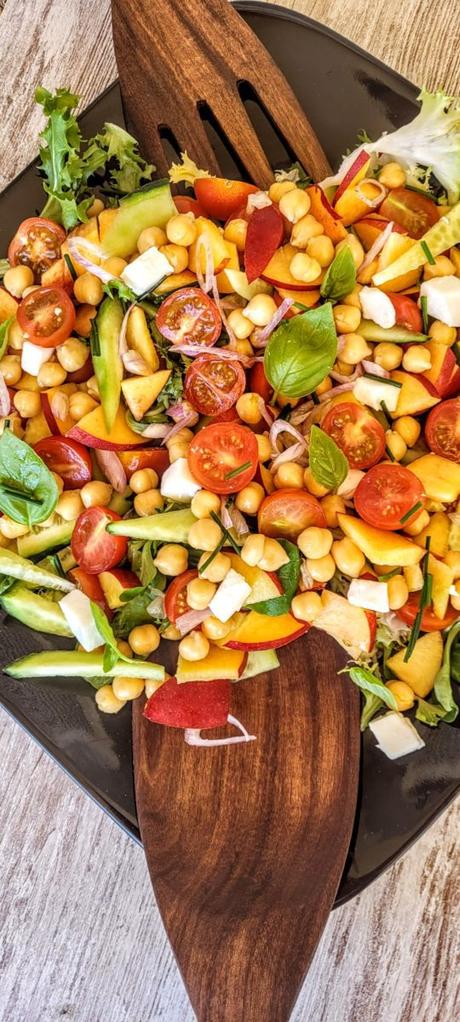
pixel 76 608
pixel 145 272
pixel 396 735
pixel 369 595
pixel 443 299
pixel 33 357
pixel 230 595
pixel 373 392
pixel 377 306
pixel 177 483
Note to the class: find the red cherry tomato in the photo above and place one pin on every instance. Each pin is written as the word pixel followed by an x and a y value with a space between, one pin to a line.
pixel 220 197
pixel 68 458
pixel 386 494
pixel 413 211
pixel 37 243
pixel 231 415
pixel 187 316
pixel 258 383
pixel 220 449
pixel 185 204
pixel 430 623
pixel 213 384
pixel 407 312
pixel 150 457
pixel 47 316
pixel 93 547
pixel 442 430
pixel 356 432
pixel 176 595
pixel 286 513
pixel 90 586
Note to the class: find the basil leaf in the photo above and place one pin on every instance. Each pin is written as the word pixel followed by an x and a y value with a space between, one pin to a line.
pixel 28 491
pixel 288 576
pixel 369 682
pixel 301 352
pixel 340 278
pixel 328 464
pixel 372 704
pixel 4 331
pixel 110 658
pixel 105 630
pixel 443 680
pixel 429 713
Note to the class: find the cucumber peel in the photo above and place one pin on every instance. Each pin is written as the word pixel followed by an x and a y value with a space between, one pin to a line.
pixel 166 527
pixel 77 664
pixel 18 567
pixel 35 611
pixel 393 334
pixel 34 543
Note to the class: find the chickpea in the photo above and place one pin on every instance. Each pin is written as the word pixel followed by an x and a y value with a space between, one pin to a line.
pixel 215 630
pixel 343 367
pixel 249 499
pixel 28 382
pixel 182 229
pixel 409 429
pixel 442 333
pixel 443 267
pixel 73 354
pixel 115 265
pixel 236 231
pixel 17 279
pixel 148 502
pixel 392 175
pixel 355 246
pixel 420 523
pixel 348 557
pixel 306 606
pixel 260 310
pixel 171 632
pixel 95 208
pixel 264 447
pixel 124 647
pixel 332 506
pixel 15 336
pixel 69 505
pixel 107 701
pixel 51 374
pixel 249 408
pixel 83 319
pixel 184 435
pixel 12 530
pixel 321 569
pixel 151 237
pixel 240 325
pixel 200 593
pixel 289 474
pixel 395 444
pixel 96 494
pixel 416 359
pixel 304 268
pixel 305 229
pixel 10 367
pixel 203 503
pixel 80 404
pixel 142 480
pixel 294 204
pixel 414 578
pixel 205 534
pixel 171 559
pixel 92 387
pixel 152 686
pixel 388 356
pixel 88 289
pixel 321 249
pixel 314 542
pixel 312 486
pixel 241 345
pixel 403 694
pixel 127 689
pixel 252 550
pixel 194 646
pixel 274 556
pixel 27 403
pixel 216 570
pixel 354 349
pixel 280 188
pixel 324 386
pixel 452 559
pixel 365 276
pixel 398 593
pixel 177 255
pixel 347 319
pixel 454 255
pixel 144 639
pixel 177 451
pixel 353 298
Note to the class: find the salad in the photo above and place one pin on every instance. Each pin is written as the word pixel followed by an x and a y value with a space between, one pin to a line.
pixel 230 415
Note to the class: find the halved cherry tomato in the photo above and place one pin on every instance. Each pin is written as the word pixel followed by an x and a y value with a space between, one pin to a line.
pixel 220 197
pixel 37 243
pixel 258 383
pixel 47 316
pixel 176 595
pixel 442 430
pixel 188 315
pixel 356 432
pixel 407 312
pixel 213 384
pixel 218 451
pixel 430 623
pixel 385 495
pixel 150 457
pixel 93 547
pixel 185 204
pixel 286 513
pixel 231 415
pixel 90 586
pixel 68 458
pixel 413 211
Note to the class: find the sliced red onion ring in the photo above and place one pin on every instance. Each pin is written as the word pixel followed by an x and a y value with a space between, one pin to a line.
pixel 257 200
pixel 181 410
pixel 373 367
pixel 5 400
pixel 261 336
pixel 188 420
pixel 59 404
pixel 135 364
pixel 238 522
pixel 191 619
pixel 204 282
pixel 225 515
pixel 291 453
pixel 204 349
pixel 112 468
pixel 341 378
pixel 372 203
pixel 217 299
pixel 305 575
pixel 192 736
pixel 156 430
pixel 75 246
pixel 379 242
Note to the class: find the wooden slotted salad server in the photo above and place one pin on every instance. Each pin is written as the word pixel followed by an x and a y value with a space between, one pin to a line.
pixel 245 844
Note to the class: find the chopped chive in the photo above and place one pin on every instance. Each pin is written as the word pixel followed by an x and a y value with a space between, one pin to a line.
pixel 298 305
pixel 388 574
pixel 227 537
pixel 456 351
pixel 94 340
pixel 386 413
pixel 57 564
pixel 315 398
pixel 382 379
pixel 427 252
pixel 424 308
pixel 70 267
pixel 389 454
pixel 237 471
pixel 425 600
pixel 212 555
pixel 412 510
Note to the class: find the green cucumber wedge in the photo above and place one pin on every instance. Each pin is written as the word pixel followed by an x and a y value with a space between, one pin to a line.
pixel 151 206
pixel 40 542
pixel 166 527
pixel 393 334
pixel 259 662
pixel 106 357
pixel 76 664
pixel 35 611
pixel 18 567
pixel 442 235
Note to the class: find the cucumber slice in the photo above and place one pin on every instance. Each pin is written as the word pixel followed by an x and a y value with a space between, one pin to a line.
pixel 106 357
pixel 76 664
pixel 443 235
pixel 151 206
pixel 46 539
pixel 259 662
pixel 169 527
pixel 16 566
pixel 35 611
pixel 393 334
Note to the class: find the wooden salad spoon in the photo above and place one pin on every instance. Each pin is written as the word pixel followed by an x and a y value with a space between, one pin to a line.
pixel 245 844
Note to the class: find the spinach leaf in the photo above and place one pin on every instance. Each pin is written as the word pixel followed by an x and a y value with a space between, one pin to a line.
pixel 369 682
pixel 288 575
pixel 372 704
pixel 4 331
pixel 328 464
pixel 134 612
pixel 301 352
pixel 340 278
pixel 141 554
pixel 111 652
pixel 28 491
pixel 444 677
pixel 429 713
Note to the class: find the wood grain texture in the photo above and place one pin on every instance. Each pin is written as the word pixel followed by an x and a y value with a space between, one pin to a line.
pixel 80 938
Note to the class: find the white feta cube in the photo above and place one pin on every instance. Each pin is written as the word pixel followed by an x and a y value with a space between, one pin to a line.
pixel 177 483
pixel 230 596
pixel 33 357
pixel 145 272
pixel 369 595
pixel 396 735
pixel 76 608
pixel 377 306
pixel 443 299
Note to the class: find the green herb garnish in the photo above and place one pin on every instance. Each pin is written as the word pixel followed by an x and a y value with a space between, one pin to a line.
pixel 389 454
pixel 227 536
pixel 237 471
pixel 288 576
pixel 70 266
pixel 410 512
pixel 427 252
pixel 424 308
pixel 381 379
pixel 425 599
pixel 28 491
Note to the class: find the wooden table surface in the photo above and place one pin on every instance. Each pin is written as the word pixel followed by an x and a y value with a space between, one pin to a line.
pixel 80 936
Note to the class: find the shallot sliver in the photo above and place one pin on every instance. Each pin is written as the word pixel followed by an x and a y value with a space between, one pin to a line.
pixel 113 469
pixel 191 619
pixel 5 401
pixel 192 736
pixel 263 335
pixel 374 250
pixel 76 244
